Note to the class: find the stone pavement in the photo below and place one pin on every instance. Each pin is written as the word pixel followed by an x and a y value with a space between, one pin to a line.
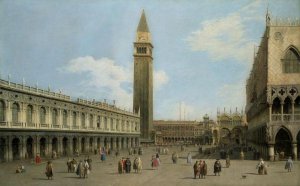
pixel 105 173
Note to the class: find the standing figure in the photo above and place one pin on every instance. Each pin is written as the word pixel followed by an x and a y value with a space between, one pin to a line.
pixel 103 156
pixel 154 162
pixel 80 169
pixel 196 169
pixel 174 157
pixel 120 166
pixel 74 165
pixel 203 169
pixel 128 165
pixel 289 164
pixel 38 159
pixel 189 158
pixel 261 167
pixel 69 165
pixel 89 161
pixel 137 165
pixel 86 169
pixel 217 167
pixel 49 170
pixel 227 161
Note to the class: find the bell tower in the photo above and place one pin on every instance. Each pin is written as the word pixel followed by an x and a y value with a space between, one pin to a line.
pixel 143 78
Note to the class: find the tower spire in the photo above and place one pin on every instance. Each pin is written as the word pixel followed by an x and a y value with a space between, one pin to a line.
pixel 143 26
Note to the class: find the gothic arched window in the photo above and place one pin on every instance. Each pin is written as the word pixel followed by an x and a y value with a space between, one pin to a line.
pixel 91 120
pixel 291 61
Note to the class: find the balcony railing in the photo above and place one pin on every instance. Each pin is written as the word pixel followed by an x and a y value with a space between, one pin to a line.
pixel 3 123
pixel 45 126
pixel 286 117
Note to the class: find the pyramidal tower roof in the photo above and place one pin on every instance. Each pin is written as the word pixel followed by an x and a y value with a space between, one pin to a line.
pixel 143 26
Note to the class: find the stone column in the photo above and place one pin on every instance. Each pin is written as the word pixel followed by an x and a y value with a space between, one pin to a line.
pixel 271 152
pixel 7 113
pixel 10 152
pixel 281 107
pixel 6 150
pixel 129 143
pixel 70 149
pixel 23 146
pixel 37 145
pixel 79 144
pixel 295 150
pixel 102 141
pixel 293 110
pixel 270 112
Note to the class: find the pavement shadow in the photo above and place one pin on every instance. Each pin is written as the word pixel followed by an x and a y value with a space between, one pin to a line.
pixel 251 173
pixel 73 177
pixel 40 178
pixel 188 178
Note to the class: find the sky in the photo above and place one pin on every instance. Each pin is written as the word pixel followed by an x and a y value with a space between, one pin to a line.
pixel 203 50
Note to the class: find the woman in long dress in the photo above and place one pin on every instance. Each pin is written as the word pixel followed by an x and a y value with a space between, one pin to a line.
pixel 49 170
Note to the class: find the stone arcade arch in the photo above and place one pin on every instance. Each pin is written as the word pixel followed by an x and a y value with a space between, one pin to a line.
pixel 75 146
pixel 283 142
pixel 2 149
pixel 65 146
pixel 16 148
pixel 29 147
pixel 83 144
pixel 91 142
pixel 43 143
pixel 55 144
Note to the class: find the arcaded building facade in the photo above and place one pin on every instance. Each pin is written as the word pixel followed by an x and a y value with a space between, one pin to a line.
pixel 33 121
pixel 273 98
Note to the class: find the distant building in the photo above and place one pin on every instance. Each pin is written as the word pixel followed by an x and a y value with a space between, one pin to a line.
pixel 231 128
pixel 273 99
pixel 183 132
pixel 33 120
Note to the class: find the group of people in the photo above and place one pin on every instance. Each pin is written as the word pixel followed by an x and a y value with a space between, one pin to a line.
pixel 124 165
pixel 82 169
pixel 200 169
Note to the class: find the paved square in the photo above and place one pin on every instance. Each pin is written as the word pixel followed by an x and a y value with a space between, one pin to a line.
pixel 105 173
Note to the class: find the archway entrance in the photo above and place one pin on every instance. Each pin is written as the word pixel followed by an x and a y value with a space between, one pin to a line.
pixel 16 148
pixel 98 143
pixel 225 136
pixel 43 147
pixel 65 146
pixel 75 145
pixel 54 145
pixel 283 143
pixel 91 145
pixel 111 143
pixel 2 149
pixel 122 143
pixel 105 142
pixel 117 141
pixel 29 147
pixel 82 144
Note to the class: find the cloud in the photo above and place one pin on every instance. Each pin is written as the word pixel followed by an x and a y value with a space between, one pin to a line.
pixel 232 95
pixel 105 75
pixel 226 38
pixel 160 79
